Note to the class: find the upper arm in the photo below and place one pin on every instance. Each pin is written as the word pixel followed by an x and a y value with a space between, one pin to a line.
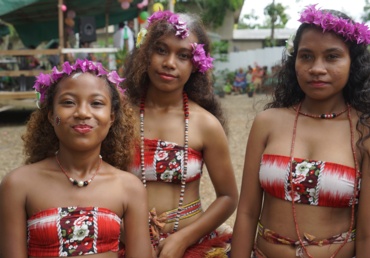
pixel 136 218
pixel 251 192
pixel 363 226
pixel 13 237
pixel 217 159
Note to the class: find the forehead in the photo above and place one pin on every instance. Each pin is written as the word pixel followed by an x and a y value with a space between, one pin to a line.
pixel 85 83
pixel 172 40
pixel 316 38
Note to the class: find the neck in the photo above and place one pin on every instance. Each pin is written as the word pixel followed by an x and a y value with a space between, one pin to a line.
pixel 78 163
pixel 322 107
pixel 159 99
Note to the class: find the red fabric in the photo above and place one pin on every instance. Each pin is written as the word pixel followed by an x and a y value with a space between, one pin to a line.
pixel 200 250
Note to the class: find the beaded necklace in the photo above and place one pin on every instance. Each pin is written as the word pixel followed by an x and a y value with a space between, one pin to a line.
pixel 186 147
pixel 355 189
pixel 79 183
pixel 322 116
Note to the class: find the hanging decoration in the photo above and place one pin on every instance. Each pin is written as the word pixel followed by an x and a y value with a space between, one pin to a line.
pixel 157 7
pixel 63 7
pixel 125 5
pixel 144 15
pixel 142 4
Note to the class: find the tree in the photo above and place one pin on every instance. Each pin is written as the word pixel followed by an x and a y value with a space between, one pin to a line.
pixel 212 12
pixel 277 16
pixel 366 16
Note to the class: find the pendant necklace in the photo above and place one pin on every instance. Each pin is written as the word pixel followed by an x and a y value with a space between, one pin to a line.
pixel 79 183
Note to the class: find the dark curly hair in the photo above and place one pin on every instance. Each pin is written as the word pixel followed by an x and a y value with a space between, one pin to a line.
pixel 199 87
pixel 40 140
pixel 356 92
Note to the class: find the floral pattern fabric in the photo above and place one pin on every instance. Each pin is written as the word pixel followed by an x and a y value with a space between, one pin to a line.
pixel 314 182
pixel 164 162
pixel 72 231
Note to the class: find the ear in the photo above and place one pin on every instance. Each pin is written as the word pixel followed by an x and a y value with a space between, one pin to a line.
pixel 50 118
pixel 112 118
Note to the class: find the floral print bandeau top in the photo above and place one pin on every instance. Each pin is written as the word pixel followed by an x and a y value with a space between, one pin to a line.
pixel 315 182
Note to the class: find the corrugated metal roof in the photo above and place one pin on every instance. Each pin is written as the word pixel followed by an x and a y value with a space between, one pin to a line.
pixel 254 34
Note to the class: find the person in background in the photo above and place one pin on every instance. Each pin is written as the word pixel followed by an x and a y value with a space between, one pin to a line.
pixel 71 196
pixel 168 79
pixel 123 38
pixel 305 151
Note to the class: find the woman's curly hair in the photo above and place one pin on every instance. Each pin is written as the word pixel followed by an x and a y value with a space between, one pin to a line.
pixel 199 87
pixel 40 140
pixel 356 92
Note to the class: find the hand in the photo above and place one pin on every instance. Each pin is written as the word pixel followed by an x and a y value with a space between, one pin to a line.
pixel 172 247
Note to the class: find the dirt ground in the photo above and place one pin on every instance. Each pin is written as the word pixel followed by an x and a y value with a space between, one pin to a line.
pixel 239 110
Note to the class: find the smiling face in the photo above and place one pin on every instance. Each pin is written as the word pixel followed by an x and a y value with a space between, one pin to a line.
pixel 82 112
pixel 322 64
pixel 171 62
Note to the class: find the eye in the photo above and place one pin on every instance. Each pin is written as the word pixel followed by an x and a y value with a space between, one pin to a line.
pixel 333 56
pixel 160 50
pixel 67 102
pixel 97 103
pixel 305 56
pixel 185 56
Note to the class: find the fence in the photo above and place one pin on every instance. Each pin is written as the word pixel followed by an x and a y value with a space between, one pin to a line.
pixel 263 57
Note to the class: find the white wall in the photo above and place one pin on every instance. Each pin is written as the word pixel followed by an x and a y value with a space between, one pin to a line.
pixel 265 56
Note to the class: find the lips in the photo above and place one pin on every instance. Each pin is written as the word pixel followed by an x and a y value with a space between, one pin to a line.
pixel 166 76
pixel 82 128
pixel 318 83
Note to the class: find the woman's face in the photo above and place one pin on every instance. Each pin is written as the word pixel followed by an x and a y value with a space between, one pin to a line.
pixel 82 113
pixel 171 62
pixel 322 64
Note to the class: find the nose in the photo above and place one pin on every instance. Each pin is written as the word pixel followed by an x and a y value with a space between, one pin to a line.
pixel 82 111
pixel 170 61
pixel 318 67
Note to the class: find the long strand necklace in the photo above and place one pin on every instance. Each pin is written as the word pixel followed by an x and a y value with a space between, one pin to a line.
pixel 79 183
pixel 185 160
pixel 355 189
pixel 322 116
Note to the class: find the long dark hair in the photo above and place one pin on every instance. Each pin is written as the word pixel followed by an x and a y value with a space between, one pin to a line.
pixel 199 87
pixel 356 91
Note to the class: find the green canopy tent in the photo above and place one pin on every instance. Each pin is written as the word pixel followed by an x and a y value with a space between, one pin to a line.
pixel 37 20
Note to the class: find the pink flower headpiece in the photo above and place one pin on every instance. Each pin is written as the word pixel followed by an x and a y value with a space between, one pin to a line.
pixel 44 81
pixel 200 60
pixel 180 26
pixel 352 31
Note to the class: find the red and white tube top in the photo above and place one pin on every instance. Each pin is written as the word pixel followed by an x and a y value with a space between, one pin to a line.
pixel 315 182
pixel 73 231
pixel 164 162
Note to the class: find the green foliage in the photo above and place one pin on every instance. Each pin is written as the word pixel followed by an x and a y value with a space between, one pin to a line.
pixel 219 50
pixel 276 14
pixel 212 12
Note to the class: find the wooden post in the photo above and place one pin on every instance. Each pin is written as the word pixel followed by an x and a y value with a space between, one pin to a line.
pixel 171 6
pixel 61 31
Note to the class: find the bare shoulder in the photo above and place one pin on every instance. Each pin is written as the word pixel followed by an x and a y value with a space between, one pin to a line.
pixel 202 118
pixel 126 179
pixel 19 179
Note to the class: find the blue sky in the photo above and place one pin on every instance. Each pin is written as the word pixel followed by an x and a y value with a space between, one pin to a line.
pixel 353 8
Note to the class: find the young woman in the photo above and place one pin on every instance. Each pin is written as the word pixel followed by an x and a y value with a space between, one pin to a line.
pixel 168 78
pixel 305 151
pixel 71 197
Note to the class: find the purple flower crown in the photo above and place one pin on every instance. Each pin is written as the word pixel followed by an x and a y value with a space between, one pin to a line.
pixel 352 31
pixel 200 59
pixel 44 81
pixel 180 26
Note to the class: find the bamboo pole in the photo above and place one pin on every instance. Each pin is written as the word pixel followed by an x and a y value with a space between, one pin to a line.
pixel 61 31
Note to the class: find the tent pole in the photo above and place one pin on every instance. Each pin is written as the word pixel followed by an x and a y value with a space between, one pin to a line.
pixel 61 31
